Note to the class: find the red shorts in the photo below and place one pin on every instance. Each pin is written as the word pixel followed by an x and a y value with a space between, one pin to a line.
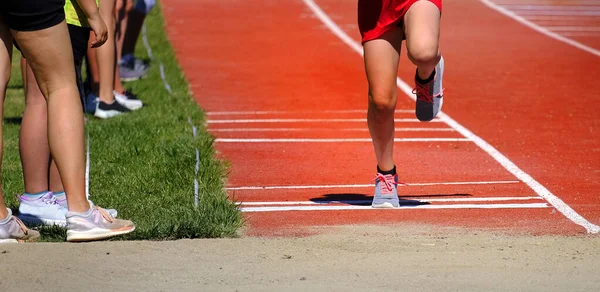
pixel 376 17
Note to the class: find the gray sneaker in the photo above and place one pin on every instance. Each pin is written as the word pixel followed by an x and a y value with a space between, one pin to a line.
pixel 95 224
pixel 386 193
pixel 430 95
pixel 12 230
pixel 132 69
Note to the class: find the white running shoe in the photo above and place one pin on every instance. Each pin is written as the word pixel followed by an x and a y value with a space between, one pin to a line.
pixel 14 231
pixel 95 224
pixel 44 210
pixel 129 100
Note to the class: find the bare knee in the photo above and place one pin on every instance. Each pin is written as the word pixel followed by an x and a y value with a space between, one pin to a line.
pixel 424 55
pixel 383 99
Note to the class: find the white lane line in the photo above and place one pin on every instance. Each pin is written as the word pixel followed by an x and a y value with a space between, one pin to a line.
pixel 559 204
pixel 241 113
pixel 251 121
pixel 554 12
pixel 337 208
pixel 551 7
pixel 325 140
pixel 356 202
pixel 326 129
pixel 581 34
pixel 371 185
pixel 562 18
pixel 540 29
pixel 574 28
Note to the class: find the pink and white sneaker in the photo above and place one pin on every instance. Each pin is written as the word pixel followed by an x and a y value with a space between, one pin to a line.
pixel 12 230
pixel 386 193
pixel 95 224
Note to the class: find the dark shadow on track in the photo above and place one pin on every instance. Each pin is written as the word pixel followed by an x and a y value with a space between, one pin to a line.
pixel 356 199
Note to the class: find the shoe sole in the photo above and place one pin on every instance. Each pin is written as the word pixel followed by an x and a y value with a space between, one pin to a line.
pixel 131 79
pixel 386 205
pixel 94 234
pixel 10 240
pixel 39 221
pixel 131 105
pixel 106 114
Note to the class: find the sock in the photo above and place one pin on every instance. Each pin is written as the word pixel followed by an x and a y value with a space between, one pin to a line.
pixel 421 81
pixel 59 194
pixel 390 172
pixel 36 195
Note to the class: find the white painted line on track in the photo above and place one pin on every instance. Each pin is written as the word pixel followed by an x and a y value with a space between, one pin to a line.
pixel 355 202
pixel 554 12
pixel 562 18
pixel 559 204
pixel 540 29
pixel 241 113
pixel 326 129
pixel 415 207
pixel 371 185
pixel 520 7
pixel 334 140
pixel 574 28
pixel 251 121
pixel 581 34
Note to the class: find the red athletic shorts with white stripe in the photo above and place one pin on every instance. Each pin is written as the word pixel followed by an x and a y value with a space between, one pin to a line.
pixel 376 17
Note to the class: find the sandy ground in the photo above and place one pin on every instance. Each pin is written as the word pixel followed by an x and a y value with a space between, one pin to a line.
pixel 349 258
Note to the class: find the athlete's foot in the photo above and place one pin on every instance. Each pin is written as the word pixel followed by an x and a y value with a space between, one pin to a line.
pixel 12 230
pixel 129 100
pixel 386 193
pixel 95 224
pixel 108 110
pixel 62 201
pixel 42 210
pixel 429 94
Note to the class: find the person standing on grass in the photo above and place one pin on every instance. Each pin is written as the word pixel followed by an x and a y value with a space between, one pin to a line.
pixel 130 19
pixel 383 25
pixel 107 92
pixel 44 200
pixel 39 27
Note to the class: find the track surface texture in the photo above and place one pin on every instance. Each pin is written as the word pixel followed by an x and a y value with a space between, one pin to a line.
pixel 286 98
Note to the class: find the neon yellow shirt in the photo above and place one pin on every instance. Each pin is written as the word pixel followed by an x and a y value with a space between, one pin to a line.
pixel 74 15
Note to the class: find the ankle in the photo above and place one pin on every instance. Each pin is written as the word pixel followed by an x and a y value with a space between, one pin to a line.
pixel 4 215
pixel 387 171
pixel 425 76
pixel 79 207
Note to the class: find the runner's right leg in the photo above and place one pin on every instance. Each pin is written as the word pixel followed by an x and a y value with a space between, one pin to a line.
pixel 381 65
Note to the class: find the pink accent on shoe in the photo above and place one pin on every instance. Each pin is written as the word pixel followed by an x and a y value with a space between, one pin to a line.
pixel 387 182
pixel 422 92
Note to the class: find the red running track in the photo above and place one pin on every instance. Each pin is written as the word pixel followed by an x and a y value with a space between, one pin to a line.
pixel 286 100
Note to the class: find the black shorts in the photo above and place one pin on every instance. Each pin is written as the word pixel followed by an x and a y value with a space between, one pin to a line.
pixel 32 15
pixel 79 41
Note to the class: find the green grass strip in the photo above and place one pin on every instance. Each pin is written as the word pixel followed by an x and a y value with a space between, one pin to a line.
pixel 143 163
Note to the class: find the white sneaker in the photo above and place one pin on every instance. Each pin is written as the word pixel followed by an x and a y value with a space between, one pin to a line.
pixel 42 211
pixel 12 230
pixel 62 200
pixel 129 100
pixel 95 224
